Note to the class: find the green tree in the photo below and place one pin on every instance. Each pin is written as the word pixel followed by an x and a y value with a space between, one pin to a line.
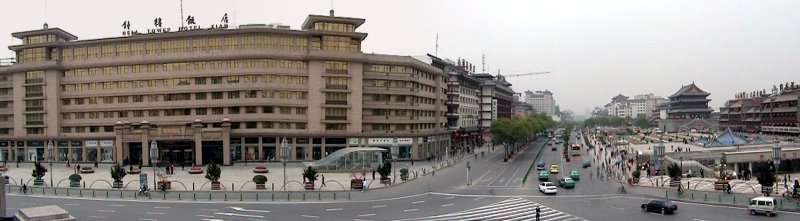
pixel 641 122
pixel 38 170
pixel 674 171
pixel 767 177
pixel 213 172
pixel 117 172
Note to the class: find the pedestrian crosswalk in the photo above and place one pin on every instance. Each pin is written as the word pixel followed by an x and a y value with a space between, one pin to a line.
pixel 516 208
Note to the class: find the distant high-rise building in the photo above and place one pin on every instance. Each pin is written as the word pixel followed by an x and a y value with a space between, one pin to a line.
pixel 541 101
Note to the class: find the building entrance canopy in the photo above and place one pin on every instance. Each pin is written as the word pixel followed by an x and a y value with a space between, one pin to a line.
pixel 352 158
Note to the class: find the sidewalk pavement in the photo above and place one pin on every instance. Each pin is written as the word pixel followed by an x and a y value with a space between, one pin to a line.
pixel 236 178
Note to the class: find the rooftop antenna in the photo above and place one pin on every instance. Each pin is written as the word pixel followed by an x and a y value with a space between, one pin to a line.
pixel 181 14
pixel 437 45
pixel 483 63
pixel 45 12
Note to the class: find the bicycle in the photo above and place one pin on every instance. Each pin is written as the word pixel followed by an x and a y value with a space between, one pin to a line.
pixel 680 192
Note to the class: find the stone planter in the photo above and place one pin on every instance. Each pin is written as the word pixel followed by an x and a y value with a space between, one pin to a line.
pixel 260 186
pixel 164 185
pixel 215 185
pixel 404 177
pixel 386 181
pixel 309 186
pixel 38 182
pixel 74 183
pixel 356 184
pixel 117 184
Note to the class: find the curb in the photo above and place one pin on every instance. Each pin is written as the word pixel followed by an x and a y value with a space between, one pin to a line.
pixel 525 179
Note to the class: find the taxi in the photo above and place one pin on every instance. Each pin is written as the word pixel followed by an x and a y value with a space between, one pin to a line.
pixel 553 168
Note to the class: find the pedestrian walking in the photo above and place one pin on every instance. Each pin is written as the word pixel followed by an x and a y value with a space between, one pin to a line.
pixel 24 188
pixel 373 174
pixel 323 180
pixel 537 213
pixel 364 185
pixel 785 186
pixel 78 168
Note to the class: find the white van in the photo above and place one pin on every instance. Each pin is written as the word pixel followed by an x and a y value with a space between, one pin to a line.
pixel 763 205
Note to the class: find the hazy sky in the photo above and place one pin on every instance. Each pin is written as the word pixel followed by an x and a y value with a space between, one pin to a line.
pixel 593 49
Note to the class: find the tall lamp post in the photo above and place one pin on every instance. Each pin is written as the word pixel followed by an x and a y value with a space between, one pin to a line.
pixel 395 151
pixel 52 158
pixel 776 158
pixel 284 158
pixel 153 159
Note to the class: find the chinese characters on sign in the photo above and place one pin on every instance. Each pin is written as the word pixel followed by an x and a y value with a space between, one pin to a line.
pixel 158 26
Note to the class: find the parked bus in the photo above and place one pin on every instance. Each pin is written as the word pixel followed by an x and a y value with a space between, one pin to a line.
pixel 576 149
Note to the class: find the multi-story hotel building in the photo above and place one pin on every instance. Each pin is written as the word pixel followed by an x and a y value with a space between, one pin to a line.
pixel 221 95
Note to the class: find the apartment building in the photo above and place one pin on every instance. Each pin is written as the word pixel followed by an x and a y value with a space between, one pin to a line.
pixel 542 102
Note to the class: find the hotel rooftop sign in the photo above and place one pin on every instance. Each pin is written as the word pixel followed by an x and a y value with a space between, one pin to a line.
pixel 157 26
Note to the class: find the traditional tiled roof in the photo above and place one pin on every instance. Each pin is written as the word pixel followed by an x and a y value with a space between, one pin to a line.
pixel 691 89
pixel 689 110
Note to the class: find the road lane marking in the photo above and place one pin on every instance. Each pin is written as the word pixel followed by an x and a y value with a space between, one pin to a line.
pixel 214 210
pixel 162 207
pixel 334 209
pixel 206 216
pixel 72 204
pixel 476 199
pixel 617 208
pixel 116 205
pixel 410 210
pixel 98 217
pixel 248 210
pixel 695 219
pixel 240 215
pixel 26 203
pixel 513 175
pixel 379 206
pixel 154 213
pixel 309 216
pixel 143 219
pixel 362 220
pixel 365 215
pixel 446 205
pixel 449 197
pixel 415 202
pixel 105 211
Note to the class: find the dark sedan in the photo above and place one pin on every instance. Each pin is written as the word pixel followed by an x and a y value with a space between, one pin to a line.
pixel 660 206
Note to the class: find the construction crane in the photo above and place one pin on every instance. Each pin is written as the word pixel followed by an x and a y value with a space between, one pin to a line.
pixel 523 74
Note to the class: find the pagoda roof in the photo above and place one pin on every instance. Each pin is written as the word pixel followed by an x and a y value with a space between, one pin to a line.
pixel 691 89
pixel 689 110
pixel 738 103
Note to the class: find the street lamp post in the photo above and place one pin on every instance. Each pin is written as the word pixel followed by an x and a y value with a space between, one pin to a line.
pixel 395 151
pixel 284 158
pixel 153 159
pixel 776 158
pixel 50 150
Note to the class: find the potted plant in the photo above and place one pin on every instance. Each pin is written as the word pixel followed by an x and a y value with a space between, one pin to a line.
pixel 75 180
pixel 260 180
pixel 674 173
pixel 163 181
pixel 384 170
pixel 38 173
pixel 117 173
pixel 212 174
pixel 309 176
pixel 635 176
pixel 356 183
pixel 404 174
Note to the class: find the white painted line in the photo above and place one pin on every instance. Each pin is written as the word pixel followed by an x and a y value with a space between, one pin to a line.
pixel 142 219
pixel 365 215
pixel 248 210
pixel 240 215
pixel 309 216
pixel 215 210
pixel 206 216
pixel 162 207
pixel 105 211
pixel 449 197
pixel 362 220
pixel 26 203
pixel 476 199
pixel 446 205
pixel 513 175
pixel 379 206
pixel 334 209
pixel 695 219
pixel 116 205
pixel 72 204
pixel 415 202
pixel 154 213
pixel 410 210
pixel 99 217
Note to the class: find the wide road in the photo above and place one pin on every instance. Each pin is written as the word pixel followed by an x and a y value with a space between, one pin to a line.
pixel 496 194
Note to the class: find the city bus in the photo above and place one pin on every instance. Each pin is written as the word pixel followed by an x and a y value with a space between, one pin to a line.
pixel 576 149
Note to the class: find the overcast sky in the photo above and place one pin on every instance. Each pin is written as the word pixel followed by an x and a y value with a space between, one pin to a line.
pixel 593 50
